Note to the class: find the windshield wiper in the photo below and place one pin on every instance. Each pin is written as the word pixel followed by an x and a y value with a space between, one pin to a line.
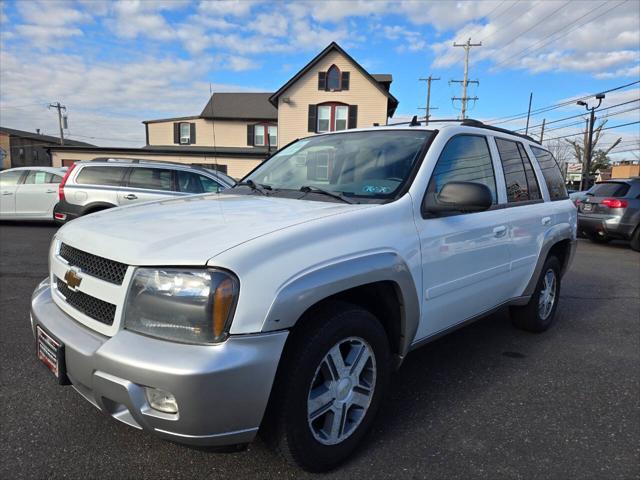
pixel 339 196
pixel 261 188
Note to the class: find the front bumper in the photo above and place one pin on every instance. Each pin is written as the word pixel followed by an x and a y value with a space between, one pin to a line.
pixel 604 225
pixel 221 390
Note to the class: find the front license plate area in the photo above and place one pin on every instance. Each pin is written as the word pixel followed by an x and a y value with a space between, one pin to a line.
pixel 51 352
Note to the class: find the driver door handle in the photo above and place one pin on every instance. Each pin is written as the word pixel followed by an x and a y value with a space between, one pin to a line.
pixel 7 193
pixel 500 231
pixel 546 220
pixel 51 191
pixel 131 196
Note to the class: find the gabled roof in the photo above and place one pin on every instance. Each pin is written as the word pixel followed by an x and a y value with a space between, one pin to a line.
pixel 392 102
pixel 42 138
pixel 245 106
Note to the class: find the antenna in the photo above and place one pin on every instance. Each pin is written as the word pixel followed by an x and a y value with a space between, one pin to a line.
pixel 213 128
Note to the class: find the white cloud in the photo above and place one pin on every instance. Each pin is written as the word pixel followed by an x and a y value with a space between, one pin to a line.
pixel 235 8
pixel 272 24
pixel 240 64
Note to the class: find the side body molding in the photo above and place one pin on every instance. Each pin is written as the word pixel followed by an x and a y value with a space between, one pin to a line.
pixel 310 287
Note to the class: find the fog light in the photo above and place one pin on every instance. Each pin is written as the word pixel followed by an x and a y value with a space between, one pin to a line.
pixel 161 400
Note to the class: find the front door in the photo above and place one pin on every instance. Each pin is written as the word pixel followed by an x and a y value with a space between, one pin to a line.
pixel 465 257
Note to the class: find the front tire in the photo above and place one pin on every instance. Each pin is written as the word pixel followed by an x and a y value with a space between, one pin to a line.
pixel 332 379
pixel 635 239
pixel 539 314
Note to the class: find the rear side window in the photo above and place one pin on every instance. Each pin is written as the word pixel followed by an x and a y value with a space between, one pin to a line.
pixel 465 158
pixel 111 176
pixel 194 183
pixel 519 177
pixel 609 189
pixel 151 178
pixel 551 173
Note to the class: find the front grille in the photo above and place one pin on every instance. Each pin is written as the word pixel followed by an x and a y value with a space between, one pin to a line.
pixel 103 312
pixel 102 268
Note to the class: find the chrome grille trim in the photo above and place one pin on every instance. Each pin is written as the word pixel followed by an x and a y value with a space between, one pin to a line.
pixel 99 310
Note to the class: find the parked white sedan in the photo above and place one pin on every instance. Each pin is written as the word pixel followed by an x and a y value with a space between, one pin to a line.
pixel 29 193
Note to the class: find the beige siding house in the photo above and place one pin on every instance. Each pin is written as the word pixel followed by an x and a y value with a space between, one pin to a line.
pixel 235 132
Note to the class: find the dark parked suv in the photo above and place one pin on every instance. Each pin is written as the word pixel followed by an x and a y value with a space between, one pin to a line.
pixel 611 210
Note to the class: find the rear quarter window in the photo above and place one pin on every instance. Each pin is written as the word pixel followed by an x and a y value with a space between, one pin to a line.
pixel 111 176
pixel 609 189
pixel 551 173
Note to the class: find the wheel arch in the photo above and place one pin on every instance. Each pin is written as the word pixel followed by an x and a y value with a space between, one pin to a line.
pixel 96 207
pixel 380 282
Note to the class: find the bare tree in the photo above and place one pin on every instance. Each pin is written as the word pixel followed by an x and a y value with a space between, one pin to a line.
pixel 579 146
pixel 560 150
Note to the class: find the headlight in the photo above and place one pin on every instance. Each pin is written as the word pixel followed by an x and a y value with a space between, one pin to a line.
pixel 190 306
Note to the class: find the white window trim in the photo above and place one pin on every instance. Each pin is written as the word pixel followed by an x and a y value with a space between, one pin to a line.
pixel 328 107
pixel 188 137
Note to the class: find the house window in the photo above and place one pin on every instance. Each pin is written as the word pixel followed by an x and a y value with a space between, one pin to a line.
pixel 341 112
pixel 273 135
pixel 322 166
pixel 258 139
pixel 185 133
pixel 333 78
pixel 324 118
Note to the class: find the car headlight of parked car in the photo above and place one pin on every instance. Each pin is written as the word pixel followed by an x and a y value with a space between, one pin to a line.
pixel 183 305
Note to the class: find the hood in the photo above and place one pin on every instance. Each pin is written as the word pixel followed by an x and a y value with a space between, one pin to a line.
pixel 189 230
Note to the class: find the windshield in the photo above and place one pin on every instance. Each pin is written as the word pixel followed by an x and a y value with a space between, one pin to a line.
pixel 371 164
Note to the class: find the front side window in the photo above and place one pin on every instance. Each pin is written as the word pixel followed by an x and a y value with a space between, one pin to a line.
pixel 111 176
pixel 11 178
pixel 369 165
pixel 324 118
pixel 551 173
pixel 190 182
pixel 519 177
pixel 465 158
pixel 151 178
pixel 185 133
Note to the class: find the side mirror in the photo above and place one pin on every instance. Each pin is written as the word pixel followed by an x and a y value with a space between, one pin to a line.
pixel 464 197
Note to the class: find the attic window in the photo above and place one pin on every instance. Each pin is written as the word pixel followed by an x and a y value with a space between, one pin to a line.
pixel 333 78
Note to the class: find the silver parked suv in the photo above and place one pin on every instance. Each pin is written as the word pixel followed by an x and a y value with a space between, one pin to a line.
pixel 91 186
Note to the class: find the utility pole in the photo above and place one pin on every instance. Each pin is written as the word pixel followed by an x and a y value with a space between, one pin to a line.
pixel 428 108
pixel 544 120
pixel 60 108
pixel 526 130
pixel 586 177
pixel 464 99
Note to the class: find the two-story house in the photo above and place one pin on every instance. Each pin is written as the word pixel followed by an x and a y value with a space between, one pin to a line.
pixel 236 131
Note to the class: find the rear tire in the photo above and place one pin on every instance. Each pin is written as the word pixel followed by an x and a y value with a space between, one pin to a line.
pixel 538 315
pixel 332 379
pixel 635 239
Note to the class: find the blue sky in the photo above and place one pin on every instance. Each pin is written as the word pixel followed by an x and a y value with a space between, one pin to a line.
pixel 114 64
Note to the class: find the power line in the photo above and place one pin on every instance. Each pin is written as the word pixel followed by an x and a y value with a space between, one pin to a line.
pixel 537 111
pixel 612 114
pixel 602 129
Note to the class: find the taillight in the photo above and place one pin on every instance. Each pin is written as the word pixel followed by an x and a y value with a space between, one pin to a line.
pixel 64 180
pixel 614 203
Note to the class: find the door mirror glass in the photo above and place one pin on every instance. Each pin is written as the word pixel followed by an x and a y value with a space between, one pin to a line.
pixel 459 197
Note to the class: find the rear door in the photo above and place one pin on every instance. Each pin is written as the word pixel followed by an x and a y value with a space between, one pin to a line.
pixel 9 181
pixel 38 194
pixel 465 257
pixel 144 184
pixel 529 217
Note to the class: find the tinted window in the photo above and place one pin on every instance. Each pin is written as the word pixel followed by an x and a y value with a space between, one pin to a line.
pixel 100 176
pixel 151 178
pixel 551 172
pixel 609 189
pixel 518 173
pixel 465 158
pixel 55 178
pixel 8 179
pixel 193 183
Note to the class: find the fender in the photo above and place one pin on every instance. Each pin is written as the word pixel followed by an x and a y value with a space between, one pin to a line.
pixel 557 233
pixel 94 205
pixel 308 288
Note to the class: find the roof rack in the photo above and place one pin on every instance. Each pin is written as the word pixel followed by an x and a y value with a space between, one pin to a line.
pixel 144 160
pixel 467 122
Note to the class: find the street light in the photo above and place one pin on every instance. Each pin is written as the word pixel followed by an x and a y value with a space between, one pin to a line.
pixel 588 153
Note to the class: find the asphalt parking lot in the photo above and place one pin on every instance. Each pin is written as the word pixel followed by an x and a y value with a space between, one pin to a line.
pixel 488 401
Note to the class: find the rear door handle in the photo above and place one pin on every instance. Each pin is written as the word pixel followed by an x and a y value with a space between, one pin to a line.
pixel 51 191
pixel 500 231
pixel 131 196
pixel 7 193
pixel 546 220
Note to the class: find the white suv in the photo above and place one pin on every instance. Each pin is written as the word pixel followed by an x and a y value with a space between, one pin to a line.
pixel 286 302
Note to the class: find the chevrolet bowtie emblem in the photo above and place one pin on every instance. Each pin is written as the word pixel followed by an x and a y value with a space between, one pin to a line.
pixel 73 280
